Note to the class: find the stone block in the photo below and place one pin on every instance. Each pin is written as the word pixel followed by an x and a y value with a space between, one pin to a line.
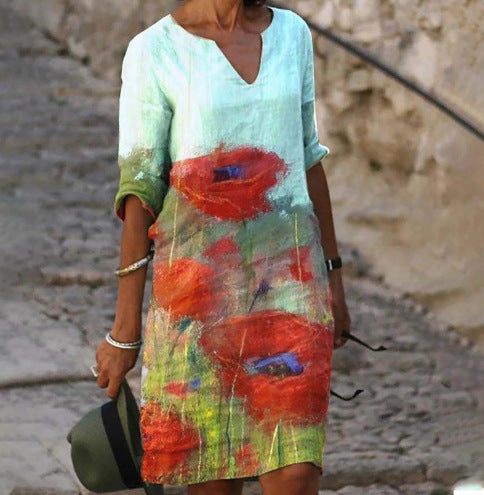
pixel 430 15
pixel 339 99
pixel 325 15
pixel 367 32
pixel 365 469
pixel 344 18
pixel 444 467
pixel 359 80
pixel 366 10
pixel 420 60
pixel 46 14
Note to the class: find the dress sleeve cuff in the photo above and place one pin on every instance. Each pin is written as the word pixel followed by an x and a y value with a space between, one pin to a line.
pixel 148 203
pixel 314 154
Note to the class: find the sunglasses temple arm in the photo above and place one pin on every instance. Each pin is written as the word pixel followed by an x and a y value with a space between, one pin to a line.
pixel 358 392
pixel 356 339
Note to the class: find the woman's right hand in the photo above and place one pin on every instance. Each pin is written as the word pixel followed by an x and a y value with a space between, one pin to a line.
pixel 112 365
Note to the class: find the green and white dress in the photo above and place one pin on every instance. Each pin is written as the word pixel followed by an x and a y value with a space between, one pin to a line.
pixel 239 333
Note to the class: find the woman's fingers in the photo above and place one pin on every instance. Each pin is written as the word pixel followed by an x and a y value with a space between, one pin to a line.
pixel 340 342
pixel 110 380
pixel 114 385
pixel 103 377
pixel 342 321
pixel 112 366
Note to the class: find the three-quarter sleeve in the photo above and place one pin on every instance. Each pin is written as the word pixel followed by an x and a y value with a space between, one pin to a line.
pixel 144 127
pixel 313 149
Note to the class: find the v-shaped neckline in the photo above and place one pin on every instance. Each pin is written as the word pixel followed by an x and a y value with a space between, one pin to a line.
pixel 263 35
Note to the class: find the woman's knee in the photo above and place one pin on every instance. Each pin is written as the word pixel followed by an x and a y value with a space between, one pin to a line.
pixel 298 478
pixel 216 487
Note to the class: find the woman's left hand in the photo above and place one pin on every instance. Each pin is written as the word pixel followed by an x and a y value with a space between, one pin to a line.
pixel 342 319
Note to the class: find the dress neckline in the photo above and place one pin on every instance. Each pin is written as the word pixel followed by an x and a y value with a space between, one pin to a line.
pixel 263 35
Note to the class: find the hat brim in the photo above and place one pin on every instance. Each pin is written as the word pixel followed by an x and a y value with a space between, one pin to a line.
pixel 106 445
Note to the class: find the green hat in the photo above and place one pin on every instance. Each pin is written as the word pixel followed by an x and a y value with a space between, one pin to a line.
pixel 106 447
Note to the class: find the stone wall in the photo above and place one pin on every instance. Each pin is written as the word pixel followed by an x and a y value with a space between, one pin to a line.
pixel 95 32
pixel 406 181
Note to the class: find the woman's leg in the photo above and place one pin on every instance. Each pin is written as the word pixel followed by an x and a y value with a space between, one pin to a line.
pixel 217 487
pixel 301 478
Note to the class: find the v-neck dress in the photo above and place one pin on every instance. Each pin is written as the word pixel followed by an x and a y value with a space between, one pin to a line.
pixel 239 333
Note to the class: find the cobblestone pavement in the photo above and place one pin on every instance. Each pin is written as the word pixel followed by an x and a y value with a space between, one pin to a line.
pixel 417 428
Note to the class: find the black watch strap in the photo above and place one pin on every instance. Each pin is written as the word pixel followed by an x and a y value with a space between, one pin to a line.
pixel 333 263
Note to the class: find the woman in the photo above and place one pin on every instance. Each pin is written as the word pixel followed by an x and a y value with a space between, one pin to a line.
pixel 220 169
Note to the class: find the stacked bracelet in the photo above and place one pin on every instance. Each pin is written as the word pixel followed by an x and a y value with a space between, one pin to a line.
pixel 333 263
pixel 121 272
pixel 123 345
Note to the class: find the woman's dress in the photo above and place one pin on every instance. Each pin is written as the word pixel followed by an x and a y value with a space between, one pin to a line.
pixel 239 333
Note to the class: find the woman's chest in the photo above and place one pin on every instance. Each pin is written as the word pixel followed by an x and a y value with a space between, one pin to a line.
pixel 204 83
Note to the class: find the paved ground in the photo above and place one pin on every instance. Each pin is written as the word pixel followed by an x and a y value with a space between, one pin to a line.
pixel 418 427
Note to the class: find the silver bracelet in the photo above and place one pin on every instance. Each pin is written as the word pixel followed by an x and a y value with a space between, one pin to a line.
pixel 123 345
pixel 121 272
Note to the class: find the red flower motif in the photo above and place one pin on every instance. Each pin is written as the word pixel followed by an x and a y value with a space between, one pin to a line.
pixel 167 441
pixel 230 185
pixel 222 249
pixel 280 361
pixel 179 389
pixel 300 267
pixel 154 231
pixel 246 458
pixel 182 389
pixel 187 288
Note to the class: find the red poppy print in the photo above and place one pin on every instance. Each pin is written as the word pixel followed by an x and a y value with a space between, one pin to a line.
pixel 229 185
pixel 300 267
pixel 279 360
pixel 179 389
pixel 295 263
pixel 154 231
pixel 187 288
pixel 167 441
pixel 182 389
pixel 246 457
pixel 225 251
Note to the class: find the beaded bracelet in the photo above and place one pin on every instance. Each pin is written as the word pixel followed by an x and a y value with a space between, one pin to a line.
pixel 123 345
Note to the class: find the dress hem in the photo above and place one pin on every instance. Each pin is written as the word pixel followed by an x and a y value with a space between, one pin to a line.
pixel 248 477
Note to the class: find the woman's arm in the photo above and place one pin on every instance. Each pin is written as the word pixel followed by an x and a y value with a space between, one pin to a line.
pixel 134 246
pixel 319 194
pixel 145 116
pixel 113 363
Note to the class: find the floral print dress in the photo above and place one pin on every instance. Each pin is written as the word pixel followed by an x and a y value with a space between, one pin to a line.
pixel 239 333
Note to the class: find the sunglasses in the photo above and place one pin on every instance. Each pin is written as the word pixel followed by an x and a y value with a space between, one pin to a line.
pixel 350 336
